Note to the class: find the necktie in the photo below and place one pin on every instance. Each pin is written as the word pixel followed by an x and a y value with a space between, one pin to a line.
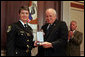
pixel 48 29
pixel 25 26
pixel 48 26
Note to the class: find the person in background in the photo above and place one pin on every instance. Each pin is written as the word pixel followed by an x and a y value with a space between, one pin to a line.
pixel 74 40
pixel 20 36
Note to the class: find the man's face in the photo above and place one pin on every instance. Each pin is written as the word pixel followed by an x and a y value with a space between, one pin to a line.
pixel 50 17
pixel 73 26
pixel 24 15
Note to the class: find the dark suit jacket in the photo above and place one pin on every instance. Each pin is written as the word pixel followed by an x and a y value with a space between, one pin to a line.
pixel 19 40
pixel 57 35
pixel 74 44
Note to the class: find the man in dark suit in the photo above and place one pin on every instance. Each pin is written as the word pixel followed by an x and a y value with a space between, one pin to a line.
pixel 56 35
pixel 74 40
pixel 20 36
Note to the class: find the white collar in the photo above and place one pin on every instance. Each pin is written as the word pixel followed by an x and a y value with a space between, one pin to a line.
pixel 21 22
pixel 73 31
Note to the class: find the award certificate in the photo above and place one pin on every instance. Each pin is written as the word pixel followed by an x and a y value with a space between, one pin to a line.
pixel 40 37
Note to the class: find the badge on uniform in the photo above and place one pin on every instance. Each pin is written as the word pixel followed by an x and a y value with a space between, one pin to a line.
pixel 28 34
pixel 21 31
pixel 9 29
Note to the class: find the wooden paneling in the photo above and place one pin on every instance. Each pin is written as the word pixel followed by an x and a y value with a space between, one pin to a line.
pixel 77 5
pixel 49 4
pixel 13 9
pixel 40 13
pixel 3 22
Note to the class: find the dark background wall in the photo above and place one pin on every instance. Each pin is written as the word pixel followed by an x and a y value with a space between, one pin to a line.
pixel 9 14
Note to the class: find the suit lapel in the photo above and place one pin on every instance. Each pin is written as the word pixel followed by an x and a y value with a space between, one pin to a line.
pixel 75 32
pixel 52 29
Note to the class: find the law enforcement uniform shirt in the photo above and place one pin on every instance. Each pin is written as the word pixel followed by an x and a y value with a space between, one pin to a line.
pixel 19 40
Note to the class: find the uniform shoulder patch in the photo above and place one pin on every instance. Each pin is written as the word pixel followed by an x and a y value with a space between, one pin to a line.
pixel 9 28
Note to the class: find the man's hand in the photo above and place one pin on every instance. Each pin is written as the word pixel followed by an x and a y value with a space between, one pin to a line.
pixel 35 43
pixel 70 34
pixel 46 44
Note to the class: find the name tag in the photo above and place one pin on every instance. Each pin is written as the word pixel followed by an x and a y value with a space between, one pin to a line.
pixel 21 31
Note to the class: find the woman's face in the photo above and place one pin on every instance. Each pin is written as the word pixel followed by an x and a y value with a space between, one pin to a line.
pixel 24 15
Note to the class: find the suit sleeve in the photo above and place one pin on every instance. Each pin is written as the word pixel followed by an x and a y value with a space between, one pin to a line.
pixel 63 32
pixel 78 39
pixel 10 48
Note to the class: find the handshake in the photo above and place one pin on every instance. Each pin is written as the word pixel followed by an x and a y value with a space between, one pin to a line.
pixel 44 44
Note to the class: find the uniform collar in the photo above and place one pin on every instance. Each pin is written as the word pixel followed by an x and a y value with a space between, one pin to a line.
pixel 21 22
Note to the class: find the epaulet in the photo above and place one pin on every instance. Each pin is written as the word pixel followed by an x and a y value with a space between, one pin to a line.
pixel 9 28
